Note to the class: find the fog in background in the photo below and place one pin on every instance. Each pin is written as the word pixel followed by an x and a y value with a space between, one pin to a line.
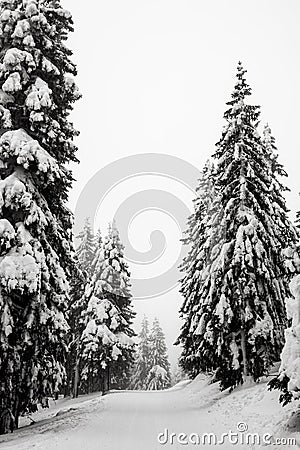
pixel 155 76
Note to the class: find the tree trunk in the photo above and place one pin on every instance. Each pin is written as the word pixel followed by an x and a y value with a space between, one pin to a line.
pixel 16 422
pixel 76 380
pixel 106 381
pixel 7 421
pixel 16 413
pixel 68 383
pixel 108 377
pixel 244 352
pixel 67 390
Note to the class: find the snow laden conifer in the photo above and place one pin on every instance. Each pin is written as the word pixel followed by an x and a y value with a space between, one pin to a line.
pixel 102 343
pixel 36 95
pixel 192 267
pixel 73 315
pixel 107 344
pixel 288 381
pixel 98 247
pixel 87 247
pixel 118 279
pixel 85 265
pixel 99 238
pixel 159 376
pixel 240 317
pixel 142 359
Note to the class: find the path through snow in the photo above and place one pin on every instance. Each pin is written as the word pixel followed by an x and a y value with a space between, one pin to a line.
pixel 132 420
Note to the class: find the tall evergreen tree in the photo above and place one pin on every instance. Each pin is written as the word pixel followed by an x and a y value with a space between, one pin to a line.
pixel 142 360
pixel 99 238
pixel 192 267
pixel 240 317
pixel 36 96
pixel 86 263
pixel 74 317
pixel 98 247
pixel 288 380
pixel 102 343
pixel 159 376
pixel 109 306
pixel 87 247
pixel 117 282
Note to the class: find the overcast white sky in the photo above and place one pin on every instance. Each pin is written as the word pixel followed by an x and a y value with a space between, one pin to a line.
pixel 155 76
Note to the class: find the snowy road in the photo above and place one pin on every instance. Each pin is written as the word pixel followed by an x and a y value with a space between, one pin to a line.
pixel 133 420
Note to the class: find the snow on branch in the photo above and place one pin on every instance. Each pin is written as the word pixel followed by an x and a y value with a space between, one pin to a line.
pixel 26 150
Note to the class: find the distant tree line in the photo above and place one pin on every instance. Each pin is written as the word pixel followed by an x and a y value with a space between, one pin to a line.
pixel 152 368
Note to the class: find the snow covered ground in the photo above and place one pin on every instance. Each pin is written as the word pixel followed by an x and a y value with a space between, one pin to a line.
pixel 132 420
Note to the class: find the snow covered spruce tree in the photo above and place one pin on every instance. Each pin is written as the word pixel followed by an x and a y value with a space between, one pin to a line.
pixel 159 376
pixel 98 247
pixel 240 316
pixel 87 247
pixel 288 380
pixel 107 344
pixel 36 96
pixel 192 266
pixel 142 359
pixel 98 238
pixel 85 256
pixel 74 312
pixel 102 343
pixel 117 277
